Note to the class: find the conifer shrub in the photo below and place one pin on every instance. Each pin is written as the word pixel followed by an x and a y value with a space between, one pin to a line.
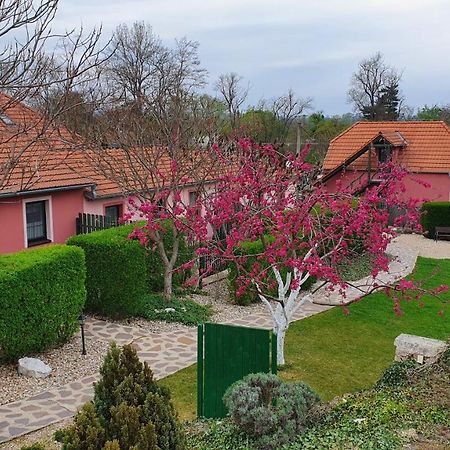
pixel 130 411
pixel 268 409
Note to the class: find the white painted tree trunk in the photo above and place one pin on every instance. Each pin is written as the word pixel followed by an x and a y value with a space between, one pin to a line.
pixel 286 306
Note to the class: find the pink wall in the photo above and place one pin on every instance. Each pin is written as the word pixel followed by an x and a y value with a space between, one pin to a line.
pixel 11 225
pixel 63 208
pixel 439 190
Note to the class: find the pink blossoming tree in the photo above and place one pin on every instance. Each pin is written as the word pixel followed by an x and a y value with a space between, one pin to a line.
pixel 303 230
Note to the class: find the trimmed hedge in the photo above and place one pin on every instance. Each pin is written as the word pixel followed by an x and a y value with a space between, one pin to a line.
pixel 42 295
pixel 434 214
pixel 120 271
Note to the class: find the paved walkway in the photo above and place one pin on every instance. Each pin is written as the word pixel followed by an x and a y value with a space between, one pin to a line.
pixel 166 353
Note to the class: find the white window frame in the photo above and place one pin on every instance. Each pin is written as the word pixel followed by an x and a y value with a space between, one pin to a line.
pixel 48 217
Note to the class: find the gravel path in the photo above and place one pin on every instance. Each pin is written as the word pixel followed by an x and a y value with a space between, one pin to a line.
pixel 424 247
pixel 69 365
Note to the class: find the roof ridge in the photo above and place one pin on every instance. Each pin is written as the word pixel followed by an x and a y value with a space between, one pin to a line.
pixel 345 131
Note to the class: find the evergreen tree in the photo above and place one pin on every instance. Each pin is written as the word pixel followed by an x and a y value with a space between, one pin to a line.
pixel 129 411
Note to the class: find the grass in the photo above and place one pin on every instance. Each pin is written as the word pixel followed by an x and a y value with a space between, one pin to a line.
pixel 336 353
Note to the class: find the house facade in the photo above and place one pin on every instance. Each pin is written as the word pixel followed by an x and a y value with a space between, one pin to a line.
pixel 423 148
pixel 48 178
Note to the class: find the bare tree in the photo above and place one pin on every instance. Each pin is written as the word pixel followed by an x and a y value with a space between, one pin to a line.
pixel 373 80
pixel 27 73
pixel 151 140
pixel 233 93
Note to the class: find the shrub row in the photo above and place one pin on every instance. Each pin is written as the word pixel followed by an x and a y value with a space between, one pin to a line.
pixel 42 296
pixel 120 271
pixel 434 214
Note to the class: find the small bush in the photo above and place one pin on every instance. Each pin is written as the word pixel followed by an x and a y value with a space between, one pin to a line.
pixel 129 410
pixel 42 296
pixel 268 409
pixel 188 312
pixel 396 375
pixel 120 271
pixel 35 446
pixel 434 214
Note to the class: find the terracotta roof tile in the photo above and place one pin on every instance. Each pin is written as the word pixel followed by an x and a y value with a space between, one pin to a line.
pixel 423 146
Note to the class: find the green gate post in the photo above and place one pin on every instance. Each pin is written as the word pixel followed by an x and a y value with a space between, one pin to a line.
pixel 200 400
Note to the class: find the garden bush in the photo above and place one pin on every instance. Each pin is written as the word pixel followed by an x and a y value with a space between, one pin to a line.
pixel 119 270
pixel 42 296
pixel 268 409
pixel 397 374
pixel 434 214
pixel 130 411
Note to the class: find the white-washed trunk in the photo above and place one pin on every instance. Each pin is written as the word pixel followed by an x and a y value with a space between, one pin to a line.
pixel 281 325
pixel 288 303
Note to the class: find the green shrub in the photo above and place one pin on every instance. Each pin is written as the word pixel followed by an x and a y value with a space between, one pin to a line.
pixel 188 312
pixel 250 296
pixel 120 271
pixel 42 296
pixel 129 410
pixel 268 409
pixel 396 375
pixel 434 214
pixel 35 446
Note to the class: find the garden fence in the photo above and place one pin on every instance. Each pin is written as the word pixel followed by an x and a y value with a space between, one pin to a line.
pixel 87 223
pixel 225 354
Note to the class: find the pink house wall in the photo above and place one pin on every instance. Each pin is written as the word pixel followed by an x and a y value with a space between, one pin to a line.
pixel 63 209
pixel 439 190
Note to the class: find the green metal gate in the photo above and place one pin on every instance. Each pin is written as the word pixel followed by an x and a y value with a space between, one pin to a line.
pixel 227 353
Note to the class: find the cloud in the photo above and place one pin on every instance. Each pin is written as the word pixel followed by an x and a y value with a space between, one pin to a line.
pixel 312 47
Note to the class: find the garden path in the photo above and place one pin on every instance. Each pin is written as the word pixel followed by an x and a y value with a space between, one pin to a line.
pixel 166 353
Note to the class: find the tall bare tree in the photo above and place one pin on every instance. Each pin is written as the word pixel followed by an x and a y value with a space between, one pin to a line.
pixel 233 93
pixel 151 138
pixel 369 86
pixel 27 72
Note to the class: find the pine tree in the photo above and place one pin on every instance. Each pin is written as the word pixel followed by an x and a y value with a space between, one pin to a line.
pixel 129 411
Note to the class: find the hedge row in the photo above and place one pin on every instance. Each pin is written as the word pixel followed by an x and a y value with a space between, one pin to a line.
pixel 120 271
pixel 434 214
pixel 42 295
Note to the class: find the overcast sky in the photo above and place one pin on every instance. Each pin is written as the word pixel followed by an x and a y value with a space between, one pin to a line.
pixel 312 46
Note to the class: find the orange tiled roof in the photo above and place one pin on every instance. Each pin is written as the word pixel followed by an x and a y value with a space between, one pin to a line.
pixel 52 158
pixel 423 146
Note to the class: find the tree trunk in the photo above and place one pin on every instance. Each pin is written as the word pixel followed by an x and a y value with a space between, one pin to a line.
pixel 281 326
pixel 167 284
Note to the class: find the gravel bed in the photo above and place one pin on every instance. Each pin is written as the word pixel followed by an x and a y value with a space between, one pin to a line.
pixel 216 296
pixel 43 436
pixel 67 363
pixel 427 248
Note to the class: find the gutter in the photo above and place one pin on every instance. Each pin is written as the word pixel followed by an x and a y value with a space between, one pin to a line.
pixel 46 190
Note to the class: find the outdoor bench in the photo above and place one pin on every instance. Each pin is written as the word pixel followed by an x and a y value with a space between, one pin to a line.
pixel 441 232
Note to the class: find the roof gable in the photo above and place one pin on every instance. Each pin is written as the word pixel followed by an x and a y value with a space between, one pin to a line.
pixel 426 144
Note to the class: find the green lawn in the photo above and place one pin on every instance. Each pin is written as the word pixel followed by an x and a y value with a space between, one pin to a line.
pixel 336 353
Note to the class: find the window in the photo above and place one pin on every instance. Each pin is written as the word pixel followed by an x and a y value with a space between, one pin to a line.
pixel 36 219
pixel 192 198
pixel 113 212
pixel 384 154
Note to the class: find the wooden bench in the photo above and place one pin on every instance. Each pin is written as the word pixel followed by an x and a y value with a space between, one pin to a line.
pixel 441 232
